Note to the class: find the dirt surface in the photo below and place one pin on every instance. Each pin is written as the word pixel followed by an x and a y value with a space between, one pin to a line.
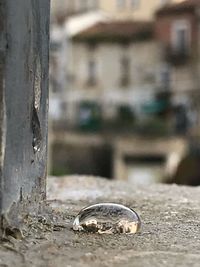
pixel 169 236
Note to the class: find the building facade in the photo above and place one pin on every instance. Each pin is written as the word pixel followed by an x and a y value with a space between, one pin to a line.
pixel 177 31
pixel 132 9
pixel 114 64
pixel 139 64
pixel 120 9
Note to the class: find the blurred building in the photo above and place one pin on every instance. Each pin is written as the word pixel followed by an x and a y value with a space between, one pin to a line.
pixel 73 55
pixel 114 64
pixel 132 9
pixel 120 9
pixel 61 9
pixel 178 34
pixel 61 44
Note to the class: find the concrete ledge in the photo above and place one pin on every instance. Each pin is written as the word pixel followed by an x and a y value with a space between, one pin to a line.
pixel 170 233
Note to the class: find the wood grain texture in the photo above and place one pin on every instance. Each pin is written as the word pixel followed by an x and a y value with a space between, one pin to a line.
pixel 24 56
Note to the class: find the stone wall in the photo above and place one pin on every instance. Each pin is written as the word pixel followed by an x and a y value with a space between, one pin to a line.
pixel 169 235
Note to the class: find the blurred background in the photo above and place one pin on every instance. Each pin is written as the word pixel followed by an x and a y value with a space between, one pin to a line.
pixel 125 90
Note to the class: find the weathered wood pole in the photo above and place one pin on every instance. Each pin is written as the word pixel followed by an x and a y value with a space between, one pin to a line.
pixel 24 53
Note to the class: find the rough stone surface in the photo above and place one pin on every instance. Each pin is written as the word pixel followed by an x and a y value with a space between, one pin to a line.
pixel 169 236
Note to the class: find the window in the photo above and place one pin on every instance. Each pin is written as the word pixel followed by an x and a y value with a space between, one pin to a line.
pixel 121 4
pixel 134 3
pixel 181 37
pixel 181 41
pixel 164 77
pixel 125 71
pixel 91 73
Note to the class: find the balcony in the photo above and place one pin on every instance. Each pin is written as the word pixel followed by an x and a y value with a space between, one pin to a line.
pixel 177 57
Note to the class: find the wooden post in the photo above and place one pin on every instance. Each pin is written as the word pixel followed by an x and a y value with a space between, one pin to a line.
pixel 24 53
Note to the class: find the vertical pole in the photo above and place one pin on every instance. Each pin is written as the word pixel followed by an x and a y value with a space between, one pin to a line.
pixel 24 53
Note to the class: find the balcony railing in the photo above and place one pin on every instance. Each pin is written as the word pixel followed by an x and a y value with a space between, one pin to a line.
pixel 177 57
